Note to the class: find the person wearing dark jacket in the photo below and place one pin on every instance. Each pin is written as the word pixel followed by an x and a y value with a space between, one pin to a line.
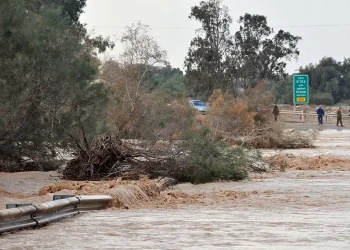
pixel 275 112
pixel 320 114
pixel 339 117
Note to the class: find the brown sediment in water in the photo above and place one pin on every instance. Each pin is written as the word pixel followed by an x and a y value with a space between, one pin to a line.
pixel 125 193
pixel 38 187
pixel 321 163
pixel 144 193
pixel 178 198
pixel 7 197
pixel 4 193
pixel 286 162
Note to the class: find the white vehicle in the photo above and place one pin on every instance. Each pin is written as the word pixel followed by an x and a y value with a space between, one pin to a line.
pixel 199 105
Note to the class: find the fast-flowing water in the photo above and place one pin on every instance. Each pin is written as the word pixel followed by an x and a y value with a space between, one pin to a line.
pixel 214 228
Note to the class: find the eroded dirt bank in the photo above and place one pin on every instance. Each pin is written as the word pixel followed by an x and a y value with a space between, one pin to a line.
pixel 140 194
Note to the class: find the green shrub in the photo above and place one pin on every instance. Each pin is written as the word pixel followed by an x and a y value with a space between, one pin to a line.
pixel 322 98
pixel 207 161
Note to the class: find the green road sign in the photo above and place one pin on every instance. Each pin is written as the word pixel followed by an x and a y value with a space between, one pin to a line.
pixel 300 89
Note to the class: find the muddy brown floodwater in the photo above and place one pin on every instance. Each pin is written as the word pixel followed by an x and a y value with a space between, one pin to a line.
pixel 296 209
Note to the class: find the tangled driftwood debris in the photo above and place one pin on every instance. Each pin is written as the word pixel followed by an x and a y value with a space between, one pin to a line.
pixel 276 137
pixel 108 158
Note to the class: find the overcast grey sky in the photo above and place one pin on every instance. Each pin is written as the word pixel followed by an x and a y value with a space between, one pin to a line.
pixel 324 25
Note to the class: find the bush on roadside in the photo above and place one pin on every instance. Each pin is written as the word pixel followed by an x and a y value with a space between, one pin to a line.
pixel 207 160
pixel 274 135
pixel 322 98
pixel 229 116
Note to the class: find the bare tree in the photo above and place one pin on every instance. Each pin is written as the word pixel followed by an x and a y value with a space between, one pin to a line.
pixel 129 78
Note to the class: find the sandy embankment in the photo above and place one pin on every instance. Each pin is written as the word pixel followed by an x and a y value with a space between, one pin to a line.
pixel 38 187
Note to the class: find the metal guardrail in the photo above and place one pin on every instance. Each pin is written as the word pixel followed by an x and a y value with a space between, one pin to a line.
pixel 302 116
pixel 33 216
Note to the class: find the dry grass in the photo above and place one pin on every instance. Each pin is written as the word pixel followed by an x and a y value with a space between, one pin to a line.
pixel 274 135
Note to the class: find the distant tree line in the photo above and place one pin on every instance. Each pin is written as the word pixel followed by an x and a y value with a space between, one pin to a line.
pixel 218 60
pixel 329 83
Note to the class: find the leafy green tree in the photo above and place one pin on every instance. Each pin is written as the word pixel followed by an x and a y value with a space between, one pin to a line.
pixel 259 53
pixel 175 85
pixel 170 80
pixel 283 91
pixel 344 82
pixel 68 8
pixel 208 62
pixel 328 81
pixel 47 75
pixel 218 60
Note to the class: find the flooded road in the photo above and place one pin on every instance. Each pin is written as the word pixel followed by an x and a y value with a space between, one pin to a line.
pixel 329 142
pixel 220 228
pixel 308 209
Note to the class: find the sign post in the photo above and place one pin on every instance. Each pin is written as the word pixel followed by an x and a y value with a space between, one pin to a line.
pixel 300 89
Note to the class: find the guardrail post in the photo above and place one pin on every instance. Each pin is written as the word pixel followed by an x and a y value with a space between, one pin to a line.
pixel 61 196
pixel 15 205
pixel 303 118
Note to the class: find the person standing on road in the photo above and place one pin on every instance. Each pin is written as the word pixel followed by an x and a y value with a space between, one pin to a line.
pixel 320 114
pixel 275 112
pixel 339 117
